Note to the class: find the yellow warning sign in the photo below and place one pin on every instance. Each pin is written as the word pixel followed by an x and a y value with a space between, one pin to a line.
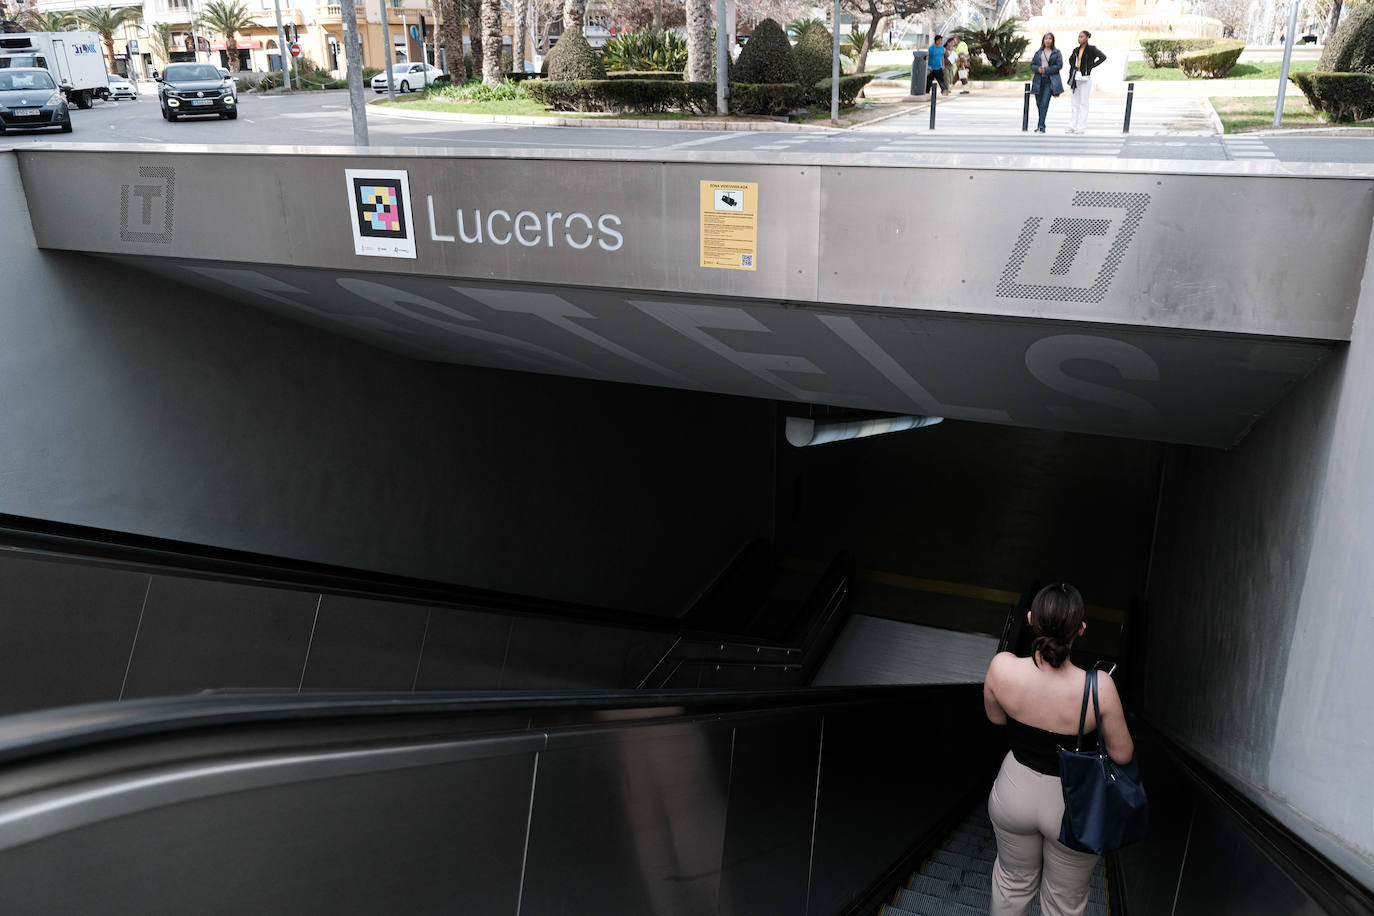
pixel 730 224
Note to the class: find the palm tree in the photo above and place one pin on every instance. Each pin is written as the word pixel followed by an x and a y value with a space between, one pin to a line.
pixel 517 45
pixel 451 36
pixel 491 43
pixel 475 37
pixel 35 21
pixel 228 17
pixel 799 27
pixel 162 42
pixel 105 21
pixel 699 41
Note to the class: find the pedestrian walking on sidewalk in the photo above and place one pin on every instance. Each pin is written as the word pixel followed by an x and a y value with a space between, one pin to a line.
pixel 950 55
pixel 1082 60
pixel 935 65
pixel 1046 64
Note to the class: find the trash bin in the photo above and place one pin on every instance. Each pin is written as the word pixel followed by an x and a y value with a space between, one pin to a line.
pixel 918 71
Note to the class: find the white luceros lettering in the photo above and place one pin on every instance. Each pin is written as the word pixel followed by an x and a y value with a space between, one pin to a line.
pixel 529 228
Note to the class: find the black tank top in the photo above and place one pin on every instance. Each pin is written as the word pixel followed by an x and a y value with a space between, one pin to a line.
pixel 1039 749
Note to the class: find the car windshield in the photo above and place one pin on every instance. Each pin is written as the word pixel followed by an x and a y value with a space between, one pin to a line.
pixel 190 72
pixel 25 79
pixel 116 79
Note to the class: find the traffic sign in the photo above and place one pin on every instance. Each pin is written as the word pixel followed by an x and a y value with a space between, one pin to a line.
pixel 295 49
pixel 415 32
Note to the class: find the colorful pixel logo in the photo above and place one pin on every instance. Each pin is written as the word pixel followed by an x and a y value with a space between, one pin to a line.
pixel 379 202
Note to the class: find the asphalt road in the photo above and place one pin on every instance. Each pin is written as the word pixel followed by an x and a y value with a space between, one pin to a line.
pixel 322 119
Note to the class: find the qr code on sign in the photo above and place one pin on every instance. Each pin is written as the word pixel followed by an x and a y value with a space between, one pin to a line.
pixel 746 260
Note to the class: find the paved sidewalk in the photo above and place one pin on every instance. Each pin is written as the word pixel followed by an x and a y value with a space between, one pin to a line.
pixel 1001 115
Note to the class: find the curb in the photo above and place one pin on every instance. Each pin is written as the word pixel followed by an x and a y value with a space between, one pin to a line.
pixel 1214 117
pixel 628 123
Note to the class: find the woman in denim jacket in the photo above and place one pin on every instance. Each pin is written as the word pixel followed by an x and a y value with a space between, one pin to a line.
pixel 1045 83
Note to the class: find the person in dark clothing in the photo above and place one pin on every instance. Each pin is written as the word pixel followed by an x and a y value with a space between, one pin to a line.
pixel 1082 60
pixel 1046 64
pixel 935 65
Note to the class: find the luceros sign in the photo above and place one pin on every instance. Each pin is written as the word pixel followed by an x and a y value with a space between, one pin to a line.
pixel 530 228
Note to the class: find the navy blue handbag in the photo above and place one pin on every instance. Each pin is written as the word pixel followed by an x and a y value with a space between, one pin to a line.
pixel 1104 802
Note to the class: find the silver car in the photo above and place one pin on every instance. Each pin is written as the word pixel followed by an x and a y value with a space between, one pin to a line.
pixel 409 77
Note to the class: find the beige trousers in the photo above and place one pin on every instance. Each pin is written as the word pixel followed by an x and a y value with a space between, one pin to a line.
pixel 1026 808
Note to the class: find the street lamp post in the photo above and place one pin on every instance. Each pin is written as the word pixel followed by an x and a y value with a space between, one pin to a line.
pixel 282 49
pixel 1290 39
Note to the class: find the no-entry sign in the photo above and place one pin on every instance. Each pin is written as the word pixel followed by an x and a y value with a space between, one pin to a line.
pixel 295 49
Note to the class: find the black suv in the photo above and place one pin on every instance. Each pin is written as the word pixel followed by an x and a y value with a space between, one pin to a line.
pixel 192 89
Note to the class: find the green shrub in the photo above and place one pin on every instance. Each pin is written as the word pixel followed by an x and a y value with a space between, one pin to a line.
pixel 1164 52
pixel 813 54
pixel 506 90
pixel 641 96
pixel 1351 49
pixel 573 59
pixel 850 86
pixel 1002 44
pixel 767 58
pixel 765 98
pixel 369 72
pixel 646 51
pixel 673 76
pixel 1340 96
pixel 1212 62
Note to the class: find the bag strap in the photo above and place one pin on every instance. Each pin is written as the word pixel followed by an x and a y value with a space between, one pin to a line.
pixel 1097 713
pixel 1089 683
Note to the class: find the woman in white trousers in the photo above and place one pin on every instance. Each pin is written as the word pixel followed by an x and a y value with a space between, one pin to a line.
pixel 1082 60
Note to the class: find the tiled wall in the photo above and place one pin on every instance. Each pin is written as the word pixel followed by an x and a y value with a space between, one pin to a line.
pixel 72 632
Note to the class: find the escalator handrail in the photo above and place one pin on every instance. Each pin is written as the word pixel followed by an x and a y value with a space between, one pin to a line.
pixel 1328 884
pixel 62 729
pixel 59 540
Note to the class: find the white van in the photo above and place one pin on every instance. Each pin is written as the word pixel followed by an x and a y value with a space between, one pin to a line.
pixel 74 59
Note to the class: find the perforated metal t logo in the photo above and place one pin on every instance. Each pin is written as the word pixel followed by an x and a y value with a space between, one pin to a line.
pixel 145 207
pixel 1074 248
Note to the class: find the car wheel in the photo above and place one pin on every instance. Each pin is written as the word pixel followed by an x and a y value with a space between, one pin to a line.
pixel 405 86
pixel 66 128
pixel 83 99
pixel 167 115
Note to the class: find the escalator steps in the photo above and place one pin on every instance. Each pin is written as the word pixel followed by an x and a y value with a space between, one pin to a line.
pixel 957 878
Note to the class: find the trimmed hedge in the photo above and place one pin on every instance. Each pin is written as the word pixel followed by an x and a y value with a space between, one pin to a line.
pixel 767 57
pixel 571 58
pixel 1351 49
pixel 1164 52
pixel 1212 62
pixel 1340 96
pixel 642 96
pixel 671 76
pixel 850 87
pixel 813 53
pixel 765 98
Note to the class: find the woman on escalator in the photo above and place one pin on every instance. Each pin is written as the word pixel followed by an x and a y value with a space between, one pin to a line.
pixel 1039 700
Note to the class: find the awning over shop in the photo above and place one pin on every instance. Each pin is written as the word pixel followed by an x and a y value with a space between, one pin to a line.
pixel 242 46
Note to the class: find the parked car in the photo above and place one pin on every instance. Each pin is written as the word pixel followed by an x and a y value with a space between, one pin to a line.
pixel 409 77
pixel 29 98
pixel 195 89
pixel 122 88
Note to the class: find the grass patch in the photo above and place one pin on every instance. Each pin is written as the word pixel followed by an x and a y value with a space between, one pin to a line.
pixel 414 102
pixel 1138 70
pixel 1240 113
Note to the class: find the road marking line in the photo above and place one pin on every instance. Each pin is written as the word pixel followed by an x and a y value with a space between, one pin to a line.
pixel 702 141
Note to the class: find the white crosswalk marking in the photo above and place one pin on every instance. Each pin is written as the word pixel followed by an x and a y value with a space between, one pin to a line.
pixel 1247 148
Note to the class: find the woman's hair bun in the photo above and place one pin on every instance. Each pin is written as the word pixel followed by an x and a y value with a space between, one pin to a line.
pixel 1056 615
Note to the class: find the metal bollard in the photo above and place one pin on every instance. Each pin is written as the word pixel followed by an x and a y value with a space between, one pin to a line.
pixel 934 90
pixel 1130 97
pixel 1025 110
